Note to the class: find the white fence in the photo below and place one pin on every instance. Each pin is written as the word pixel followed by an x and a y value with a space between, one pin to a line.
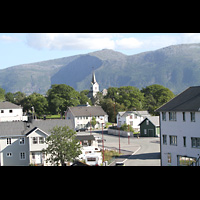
pixel 122 133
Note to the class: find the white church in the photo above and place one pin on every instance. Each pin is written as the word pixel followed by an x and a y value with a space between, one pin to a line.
pixel 94 89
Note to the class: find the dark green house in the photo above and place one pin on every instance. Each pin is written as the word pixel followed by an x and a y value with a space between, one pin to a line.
pixel 150 127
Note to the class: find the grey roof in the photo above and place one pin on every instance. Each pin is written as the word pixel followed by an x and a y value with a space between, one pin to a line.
pixel 188 100
pixel 143 113
pixel 154 120
pixel 8 105
pixel 20 128
pixel 87 111
pixel 85 137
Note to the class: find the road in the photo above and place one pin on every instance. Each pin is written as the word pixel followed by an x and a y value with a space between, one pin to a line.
pixel 143 151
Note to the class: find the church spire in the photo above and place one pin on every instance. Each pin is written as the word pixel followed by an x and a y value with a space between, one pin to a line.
pixel 93 78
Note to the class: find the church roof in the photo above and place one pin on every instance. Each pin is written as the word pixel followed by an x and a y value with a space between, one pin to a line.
pixel 93 78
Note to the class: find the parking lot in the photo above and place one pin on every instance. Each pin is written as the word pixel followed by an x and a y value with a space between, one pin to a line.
pixel 143 151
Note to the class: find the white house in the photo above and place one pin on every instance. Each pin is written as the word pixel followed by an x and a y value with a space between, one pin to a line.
pixel 21 143
pixel 133 118
pixel 179 129
pixel 81 116
pixel 11 112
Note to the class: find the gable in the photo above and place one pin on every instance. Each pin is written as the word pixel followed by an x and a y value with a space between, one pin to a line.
pixel 36 132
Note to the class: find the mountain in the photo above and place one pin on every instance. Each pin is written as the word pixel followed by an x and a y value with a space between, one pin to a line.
pixel 176 67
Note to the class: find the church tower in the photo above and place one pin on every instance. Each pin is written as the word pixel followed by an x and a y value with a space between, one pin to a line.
pixel 94 87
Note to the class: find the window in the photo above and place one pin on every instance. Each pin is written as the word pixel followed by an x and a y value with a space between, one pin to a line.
pixel 21 140
pixel 131 116
pixel 2 111
pixel 8 140
pixel 163 116
pixel 33 155
pixel 164 139
pixel 172 116
pixel 145 131
pixel 22 156
pixel 185 161
pixel 169 158
pixel 184 116
pixel 147 122
pixel 192 115
pixel 41 140
pixel 10 111
pixel 195 142
pixel 35 140
pixel 184 141
pixel 173 140
pixel 9 154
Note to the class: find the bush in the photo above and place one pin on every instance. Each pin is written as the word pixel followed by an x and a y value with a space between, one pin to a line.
pixel 126 127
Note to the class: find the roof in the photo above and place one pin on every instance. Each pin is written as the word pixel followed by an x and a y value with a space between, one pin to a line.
pixel 188 100
pixel 9 105
pixel 85 137
pixel 87 111
pixel 143 113
pixel 153 119
pixel 21 128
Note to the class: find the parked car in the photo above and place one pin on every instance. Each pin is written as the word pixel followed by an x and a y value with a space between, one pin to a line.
pixel 119 164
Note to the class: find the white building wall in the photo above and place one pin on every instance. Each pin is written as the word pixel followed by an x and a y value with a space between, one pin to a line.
pixel 12 115
pixel 180 129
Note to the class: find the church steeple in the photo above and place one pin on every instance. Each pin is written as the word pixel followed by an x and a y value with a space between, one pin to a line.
pixel 93 78
pixel 94 87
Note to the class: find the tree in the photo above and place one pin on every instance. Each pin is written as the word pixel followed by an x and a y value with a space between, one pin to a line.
pixel 61 96
pixel 62 146
pixel 155 96
pixel 93 122
pixel 2 94
pixel 38 101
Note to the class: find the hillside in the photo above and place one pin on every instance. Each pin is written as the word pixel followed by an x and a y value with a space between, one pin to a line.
pixel 176 67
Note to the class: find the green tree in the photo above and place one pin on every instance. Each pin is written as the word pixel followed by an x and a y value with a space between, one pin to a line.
pixel 2 94
pixel 155 96
pixel 62 146
pixel 61 96
pixel 93 122
pixel 111 108
pixel 38 101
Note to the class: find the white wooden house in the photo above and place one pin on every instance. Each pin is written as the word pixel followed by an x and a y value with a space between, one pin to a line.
pixel 81 116
pixel 11 112
pixel 133 118
pixel 179 129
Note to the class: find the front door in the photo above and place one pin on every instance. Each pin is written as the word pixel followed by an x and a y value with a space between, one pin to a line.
pixel 38 158
pixel 151 132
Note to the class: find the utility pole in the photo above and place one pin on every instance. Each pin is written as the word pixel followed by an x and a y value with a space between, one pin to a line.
pixel 102 142
pixel 119 137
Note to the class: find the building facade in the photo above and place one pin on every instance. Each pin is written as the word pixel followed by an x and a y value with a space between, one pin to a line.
pixel 179 129
pixel 133 118
pixel 21 143
pixel 81 116
pixel 11 112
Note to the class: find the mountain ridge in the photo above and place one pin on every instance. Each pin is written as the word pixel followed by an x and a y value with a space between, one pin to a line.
pixel 176 67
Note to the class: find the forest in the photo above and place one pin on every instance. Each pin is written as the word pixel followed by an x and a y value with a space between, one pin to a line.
pixel 61 96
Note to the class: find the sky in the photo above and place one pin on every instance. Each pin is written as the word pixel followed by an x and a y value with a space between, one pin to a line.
pixel 24 48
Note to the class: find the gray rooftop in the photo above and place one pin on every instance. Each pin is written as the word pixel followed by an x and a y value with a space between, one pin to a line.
pixel 8 105
pixel 188 100
pixel 87 111
pixel 20 128
pixel 154 120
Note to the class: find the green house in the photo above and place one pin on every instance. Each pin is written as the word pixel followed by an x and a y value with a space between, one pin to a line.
pixel 150 127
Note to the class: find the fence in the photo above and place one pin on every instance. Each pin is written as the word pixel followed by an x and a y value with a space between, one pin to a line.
pixel 122 133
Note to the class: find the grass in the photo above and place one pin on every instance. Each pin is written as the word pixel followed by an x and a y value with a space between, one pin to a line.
pixel 109 154
pixel 53 117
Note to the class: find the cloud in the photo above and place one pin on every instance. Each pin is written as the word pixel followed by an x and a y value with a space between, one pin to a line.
pixel 191 37
pixel 7 38
pixel 128 43
pixel 70 41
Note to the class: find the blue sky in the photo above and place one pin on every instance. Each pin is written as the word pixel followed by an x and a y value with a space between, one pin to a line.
pixel 23 48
